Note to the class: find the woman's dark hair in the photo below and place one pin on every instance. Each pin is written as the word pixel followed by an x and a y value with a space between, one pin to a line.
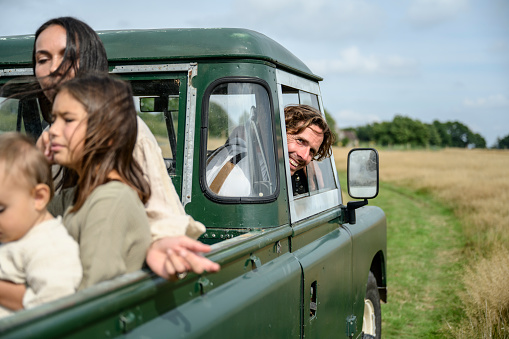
pixel 84 53
pixel 110 136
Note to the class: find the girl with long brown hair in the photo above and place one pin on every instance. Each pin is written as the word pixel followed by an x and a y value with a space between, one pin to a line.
pixel 93 132
pixel 65 48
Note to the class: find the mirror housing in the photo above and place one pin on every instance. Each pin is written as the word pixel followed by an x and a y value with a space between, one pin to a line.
pixel 362 173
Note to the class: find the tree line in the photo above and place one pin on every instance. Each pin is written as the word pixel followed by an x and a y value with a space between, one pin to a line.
pixel 414 133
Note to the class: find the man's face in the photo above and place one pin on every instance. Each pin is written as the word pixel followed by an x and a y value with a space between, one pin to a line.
pixel 302 147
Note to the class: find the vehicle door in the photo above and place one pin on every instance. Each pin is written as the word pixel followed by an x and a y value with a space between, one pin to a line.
pixel 321 245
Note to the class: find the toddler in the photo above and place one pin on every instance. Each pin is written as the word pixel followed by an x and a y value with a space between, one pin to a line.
pixel 36 249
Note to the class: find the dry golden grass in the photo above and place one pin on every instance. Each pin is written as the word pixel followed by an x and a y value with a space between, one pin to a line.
pixel 475 184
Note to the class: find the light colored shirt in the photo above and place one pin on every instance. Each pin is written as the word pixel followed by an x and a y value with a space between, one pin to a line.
pixel 46 259
pixel 165 212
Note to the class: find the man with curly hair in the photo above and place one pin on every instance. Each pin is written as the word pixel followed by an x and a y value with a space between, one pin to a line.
pixel 308 138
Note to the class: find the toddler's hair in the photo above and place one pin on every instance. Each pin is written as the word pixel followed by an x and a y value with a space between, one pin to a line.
pixel 20 160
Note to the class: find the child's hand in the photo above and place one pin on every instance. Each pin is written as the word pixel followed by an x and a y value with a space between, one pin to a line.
pixel 44 144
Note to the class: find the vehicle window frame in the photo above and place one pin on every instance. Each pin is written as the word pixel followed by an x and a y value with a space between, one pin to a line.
pixel 146 72
pixel 305 205
pixel 204 139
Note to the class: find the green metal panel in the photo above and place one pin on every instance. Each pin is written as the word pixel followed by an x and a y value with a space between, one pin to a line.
pixel 263 303
pixel 16 50
pixel 369 238
pixel 174 45
pixel 221 215
pixel 257 270
pixel 327 268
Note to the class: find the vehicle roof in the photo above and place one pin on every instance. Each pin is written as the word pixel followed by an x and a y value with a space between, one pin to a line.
pixel 190 44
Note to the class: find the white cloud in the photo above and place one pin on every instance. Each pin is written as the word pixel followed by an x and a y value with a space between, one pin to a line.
pixel 352 61
pixel 492 101
pixel 431 12
pixel 350 118
pixel 317 19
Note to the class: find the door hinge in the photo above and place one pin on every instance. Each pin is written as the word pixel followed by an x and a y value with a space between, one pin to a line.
pixel 351 326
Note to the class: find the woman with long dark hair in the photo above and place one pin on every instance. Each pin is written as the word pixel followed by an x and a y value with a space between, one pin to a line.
pixel 65 48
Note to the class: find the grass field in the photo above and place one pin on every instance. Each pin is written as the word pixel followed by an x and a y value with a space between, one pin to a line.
pixel 448 264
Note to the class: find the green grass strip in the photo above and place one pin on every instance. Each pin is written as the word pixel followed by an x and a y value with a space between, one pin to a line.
pixel 424 262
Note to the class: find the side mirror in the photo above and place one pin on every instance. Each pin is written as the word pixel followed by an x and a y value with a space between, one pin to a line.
pixel 362 180
pixel 363 173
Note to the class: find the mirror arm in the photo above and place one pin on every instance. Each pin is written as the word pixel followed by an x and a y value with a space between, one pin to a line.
pixel 350 208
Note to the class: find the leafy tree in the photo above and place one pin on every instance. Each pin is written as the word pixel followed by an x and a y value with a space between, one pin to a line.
pixel 445 137
pixel 503 143
pixel 434 136
pixel 460 134
pixel 365 133
pixel 406 131
pixel 477 141
pixel 218 121
pixel 401 130
pixel 332 125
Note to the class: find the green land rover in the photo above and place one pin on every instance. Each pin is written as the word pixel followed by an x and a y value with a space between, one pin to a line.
pixel 293 266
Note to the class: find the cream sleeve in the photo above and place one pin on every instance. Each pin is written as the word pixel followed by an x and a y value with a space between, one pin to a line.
pixel 164 210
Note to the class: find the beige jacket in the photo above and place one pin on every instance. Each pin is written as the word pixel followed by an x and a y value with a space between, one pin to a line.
pixel 165 213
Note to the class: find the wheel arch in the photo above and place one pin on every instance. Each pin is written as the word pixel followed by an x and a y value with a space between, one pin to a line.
pixel 378 269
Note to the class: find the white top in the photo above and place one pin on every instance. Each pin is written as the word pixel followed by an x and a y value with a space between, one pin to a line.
pixel 46 259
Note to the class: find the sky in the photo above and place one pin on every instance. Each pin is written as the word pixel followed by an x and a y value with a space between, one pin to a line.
pixel 445 60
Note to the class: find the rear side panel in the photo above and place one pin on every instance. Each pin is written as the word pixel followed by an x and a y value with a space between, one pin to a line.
pixel 263 303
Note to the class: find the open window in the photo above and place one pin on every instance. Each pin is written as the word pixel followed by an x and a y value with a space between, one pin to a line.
pixel 319 174
pixel 20 113
pixel 240 163
pixel 157 103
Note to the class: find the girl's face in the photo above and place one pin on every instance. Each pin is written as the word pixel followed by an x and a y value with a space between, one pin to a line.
pixel 67 133
pixel 49 54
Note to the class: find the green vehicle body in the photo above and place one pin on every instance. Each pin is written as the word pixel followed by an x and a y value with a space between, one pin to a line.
pixel 290 267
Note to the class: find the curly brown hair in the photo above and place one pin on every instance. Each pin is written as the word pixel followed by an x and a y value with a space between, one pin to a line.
pixel 300 117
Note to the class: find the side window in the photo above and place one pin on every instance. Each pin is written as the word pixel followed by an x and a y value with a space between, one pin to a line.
pixel 240 159
pixel 20 114
pixel 157 103
pixel 9 120
pixel 319 173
